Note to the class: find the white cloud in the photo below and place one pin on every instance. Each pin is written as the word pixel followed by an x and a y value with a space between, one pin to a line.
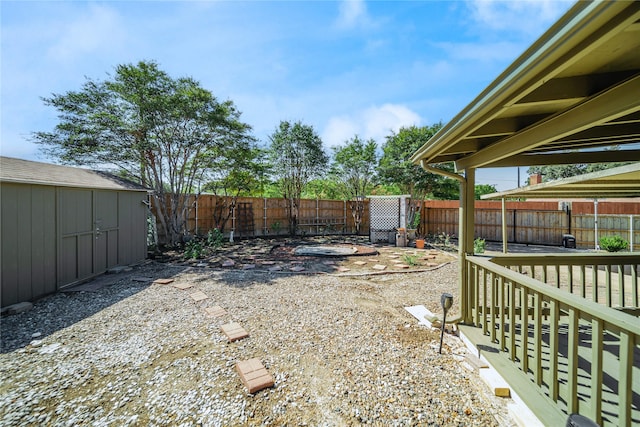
pixel 352 13
pixel 374 122
pixel 524 16
pixel 99 30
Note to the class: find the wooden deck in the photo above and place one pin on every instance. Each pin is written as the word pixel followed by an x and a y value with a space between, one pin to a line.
pixel 562 350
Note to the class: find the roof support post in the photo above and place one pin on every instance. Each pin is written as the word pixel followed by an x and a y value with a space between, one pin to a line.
pixel 465 241
pixel 505 237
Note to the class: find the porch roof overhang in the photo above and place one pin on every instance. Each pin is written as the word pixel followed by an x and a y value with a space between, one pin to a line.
pixel 623 181
pixel 567 99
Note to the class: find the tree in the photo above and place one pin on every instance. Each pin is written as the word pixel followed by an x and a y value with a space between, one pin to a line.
pixel 157 130
pixel 482 189
pixel 354 167
pixel 554 172
pixel 232 171
pixel 395 168
pixel 297 157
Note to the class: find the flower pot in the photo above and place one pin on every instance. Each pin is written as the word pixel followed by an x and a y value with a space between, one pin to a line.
pixel 419 243
pixel 411 233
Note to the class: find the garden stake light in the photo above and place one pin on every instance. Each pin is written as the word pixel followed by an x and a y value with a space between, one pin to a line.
pixel 447 301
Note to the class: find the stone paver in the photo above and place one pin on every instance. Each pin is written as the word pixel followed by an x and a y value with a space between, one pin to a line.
pixel 182 286
pixel 297 268
pixel 234 331
pixel 163 281
pixel 215 311
pixel 254 375
pixel 360 263
pixel 198 296
pixel 379 267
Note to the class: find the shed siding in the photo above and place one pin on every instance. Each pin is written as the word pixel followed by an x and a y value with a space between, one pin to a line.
pixel 28 242
pixel 51 237
pixel 132 224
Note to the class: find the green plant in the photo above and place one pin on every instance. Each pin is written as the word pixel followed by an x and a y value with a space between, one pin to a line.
pixel 412 260
pixel 193 249
pixel 214 238
pixel 478 246
pixel 445 239
pixel 613 243
pixel 275 227
pixel 415 222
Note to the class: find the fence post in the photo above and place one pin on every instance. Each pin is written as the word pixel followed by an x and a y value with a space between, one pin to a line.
pixel 344 215
pixel 264 229
pixel 630 233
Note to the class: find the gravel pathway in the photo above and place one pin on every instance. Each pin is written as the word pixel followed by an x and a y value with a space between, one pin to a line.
pixel 342 350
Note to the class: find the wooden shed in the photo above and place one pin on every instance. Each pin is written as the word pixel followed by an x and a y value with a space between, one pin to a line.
pixel 61 225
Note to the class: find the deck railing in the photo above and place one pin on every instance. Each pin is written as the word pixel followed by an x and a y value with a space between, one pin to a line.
pixel 593 276
pixel 583 355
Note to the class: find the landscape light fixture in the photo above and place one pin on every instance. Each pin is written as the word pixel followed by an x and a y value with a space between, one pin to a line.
pixel 446 300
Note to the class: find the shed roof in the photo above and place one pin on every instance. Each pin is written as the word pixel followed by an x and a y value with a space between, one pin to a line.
pixel 623 181
pixel 30 172
pixel 576 88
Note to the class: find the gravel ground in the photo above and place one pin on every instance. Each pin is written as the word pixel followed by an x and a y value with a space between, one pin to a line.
pixel 342 351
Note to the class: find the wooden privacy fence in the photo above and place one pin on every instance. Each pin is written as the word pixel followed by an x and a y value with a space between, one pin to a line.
pixel 542 227
pixel 527 222
pixel 258 217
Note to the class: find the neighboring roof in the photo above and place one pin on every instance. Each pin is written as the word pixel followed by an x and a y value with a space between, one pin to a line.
pixel 575 88
pixel 623 181
pixel 29 172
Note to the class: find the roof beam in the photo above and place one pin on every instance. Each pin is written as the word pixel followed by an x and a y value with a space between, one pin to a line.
pixel 574 87
pixel 607 156
pixel 603 107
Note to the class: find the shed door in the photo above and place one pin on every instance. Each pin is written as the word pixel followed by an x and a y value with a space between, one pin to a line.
pixel 88 233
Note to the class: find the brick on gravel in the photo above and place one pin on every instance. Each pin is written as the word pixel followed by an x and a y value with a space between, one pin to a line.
pixel 198 296
pixel 234 331
pixel 254 375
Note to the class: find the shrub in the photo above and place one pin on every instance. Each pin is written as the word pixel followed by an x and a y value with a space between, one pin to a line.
pixel 613 243
pixel 478 246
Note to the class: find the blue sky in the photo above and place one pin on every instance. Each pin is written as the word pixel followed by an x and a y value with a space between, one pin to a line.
pixel 345 67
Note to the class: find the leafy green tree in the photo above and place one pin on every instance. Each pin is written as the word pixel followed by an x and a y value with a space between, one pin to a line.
pixel 396 168
pixel 322 188
pixel 354 169
pixel 482 189
pixel 157 130
pixel 554 172
pixel 297 157
pixel 232 171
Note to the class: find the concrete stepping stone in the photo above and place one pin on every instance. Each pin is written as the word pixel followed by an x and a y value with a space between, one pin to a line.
pixel 234 331
pixel 393 256
pixel 432 264
pixel 297 268
pixel 228 263
pixel 343 269
pixel 215 311
pixel 276 268
pixel 182 286
pixel 379 267
pixel 254 375
pixel 401 266
pixel 267 262
pixel 198 296
pixel 248 266
pixel 372 260
pixel 163 281
pixel 360 263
